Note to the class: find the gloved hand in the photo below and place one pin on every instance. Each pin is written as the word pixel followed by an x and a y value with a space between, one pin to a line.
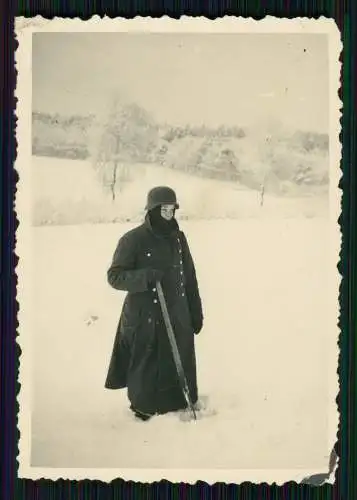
pixel 197 325
pixel 154 275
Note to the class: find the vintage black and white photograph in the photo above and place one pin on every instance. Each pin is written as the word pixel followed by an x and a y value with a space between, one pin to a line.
pixel 178 246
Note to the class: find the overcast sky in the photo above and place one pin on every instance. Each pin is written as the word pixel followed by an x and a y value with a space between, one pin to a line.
pixel 186 78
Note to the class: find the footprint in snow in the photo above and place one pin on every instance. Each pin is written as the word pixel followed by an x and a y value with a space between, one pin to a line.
pixel 91 320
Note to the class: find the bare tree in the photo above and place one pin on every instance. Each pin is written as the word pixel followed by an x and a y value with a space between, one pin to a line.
pixel 124 136
pixel 268 146
pixel 267 141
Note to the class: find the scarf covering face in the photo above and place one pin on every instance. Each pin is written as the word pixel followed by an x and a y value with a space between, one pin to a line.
pixel 159 224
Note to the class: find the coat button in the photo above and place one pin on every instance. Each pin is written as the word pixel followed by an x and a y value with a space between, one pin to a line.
pixel 148 254
pixel 155 301
pixel 181 272
pixel 182 294
pixel 180 261
pixel 154 289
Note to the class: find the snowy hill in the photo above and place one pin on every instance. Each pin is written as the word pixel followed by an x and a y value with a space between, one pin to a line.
pixel 69 192
pixel 287 161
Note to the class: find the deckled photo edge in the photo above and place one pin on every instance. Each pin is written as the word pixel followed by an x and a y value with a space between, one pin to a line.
pixel 23 235
pixel 226 24
pixel 23 91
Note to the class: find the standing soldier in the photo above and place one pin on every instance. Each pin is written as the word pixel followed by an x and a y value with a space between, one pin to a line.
pixel 141 358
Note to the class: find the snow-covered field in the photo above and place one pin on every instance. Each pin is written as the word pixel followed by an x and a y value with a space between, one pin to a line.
pixel 266 358
pixel 263 355
pixel 68 192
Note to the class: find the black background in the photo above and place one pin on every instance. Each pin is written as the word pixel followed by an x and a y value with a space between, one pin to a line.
pixel 345 15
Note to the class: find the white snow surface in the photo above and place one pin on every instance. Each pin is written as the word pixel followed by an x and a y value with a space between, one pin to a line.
pixel 263 355
pixel 68 192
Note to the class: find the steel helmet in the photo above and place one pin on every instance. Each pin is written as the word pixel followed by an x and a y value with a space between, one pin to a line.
pixel 161 195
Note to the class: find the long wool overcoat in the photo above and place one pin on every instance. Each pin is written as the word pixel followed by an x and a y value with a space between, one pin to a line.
pixel 142 359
